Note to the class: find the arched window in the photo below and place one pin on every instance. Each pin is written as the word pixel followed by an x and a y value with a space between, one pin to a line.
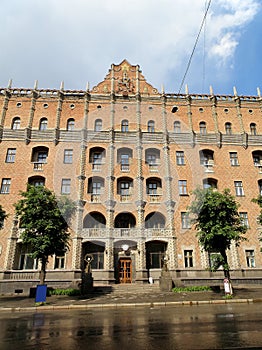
pixel 16 123
pixel 253 129
pixel 70 124
pixel 202 128
pixel 177 126
pixel 151 126
pixel 98 124
pixel 124 125
pixel 43 124
pixel 228 128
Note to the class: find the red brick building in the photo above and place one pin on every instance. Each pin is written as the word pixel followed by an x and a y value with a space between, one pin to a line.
pixel 130 156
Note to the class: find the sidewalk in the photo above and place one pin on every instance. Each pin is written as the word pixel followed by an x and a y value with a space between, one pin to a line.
pixel 104 297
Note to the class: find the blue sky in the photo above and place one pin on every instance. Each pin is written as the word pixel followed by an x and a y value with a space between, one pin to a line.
pixel 76 42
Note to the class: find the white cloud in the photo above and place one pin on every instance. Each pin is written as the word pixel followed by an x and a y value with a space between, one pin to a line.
pixel 77 41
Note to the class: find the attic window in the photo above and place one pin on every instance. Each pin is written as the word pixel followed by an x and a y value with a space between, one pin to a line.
pixel 72 106
pixel 226 110
pixel 19 104
pixel 45 105
pixel 98 106
pixel 201 109
pixel 125 108
pixel 174 109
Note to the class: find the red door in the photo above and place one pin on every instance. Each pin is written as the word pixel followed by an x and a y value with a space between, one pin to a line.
pixel 125 270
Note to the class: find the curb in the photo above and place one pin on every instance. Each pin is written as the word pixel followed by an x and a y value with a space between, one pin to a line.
pixel 128 305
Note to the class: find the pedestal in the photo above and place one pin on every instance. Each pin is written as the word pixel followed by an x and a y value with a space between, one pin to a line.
pixel 87 283
pixel 165 281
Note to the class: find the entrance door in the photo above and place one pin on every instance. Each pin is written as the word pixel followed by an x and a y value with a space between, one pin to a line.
pixel 125 270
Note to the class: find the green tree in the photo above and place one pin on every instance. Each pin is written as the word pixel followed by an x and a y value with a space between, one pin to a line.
pixel 258 200
pixel 3 216
pixel 45 223
pixel 218 223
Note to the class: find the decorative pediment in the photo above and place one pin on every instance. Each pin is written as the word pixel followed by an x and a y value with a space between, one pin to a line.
pixel 124 79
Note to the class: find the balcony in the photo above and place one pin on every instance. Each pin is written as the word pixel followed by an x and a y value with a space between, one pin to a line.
pixel 96 166
pixel 95 198
pixel 154 198
pixel 125 167
pixel 117 233
pixel 125 198
pixel 209 166
pixel 153 168
pixel 38 166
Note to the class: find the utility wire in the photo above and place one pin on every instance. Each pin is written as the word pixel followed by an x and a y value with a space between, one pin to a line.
pixel 197 38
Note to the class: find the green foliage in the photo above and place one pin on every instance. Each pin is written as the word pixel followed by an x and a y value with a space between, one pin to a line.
pixel 191 289
pixel 217 221
pixel 258 201
pixel 69 291
pixel 45 230
pixel 3 216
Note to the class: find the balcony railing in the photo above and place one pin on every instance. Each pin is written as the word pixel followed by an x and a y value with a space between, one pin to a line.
pixel 96 198
pixel 209 166
pixel 125 232
pixel 39 166
pixel 125 198
pixel 155 198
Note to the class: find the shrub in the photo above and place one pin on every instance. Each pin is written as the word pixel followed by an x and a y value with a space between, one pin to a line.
pixel 69 291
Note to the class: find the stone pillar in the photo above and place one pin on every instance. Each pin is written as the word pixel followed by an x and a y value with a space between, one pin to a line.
pixel 11 246
pixel 31 115
pixel 4 109
pixel 141 271
pixel 109 255
pixel 58 113
pixel 234 257
pixel 171 253
pixel 204 259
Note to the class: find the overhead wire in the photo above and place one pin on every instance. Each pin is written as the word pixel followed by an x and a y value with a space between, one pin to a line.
pixel 195 45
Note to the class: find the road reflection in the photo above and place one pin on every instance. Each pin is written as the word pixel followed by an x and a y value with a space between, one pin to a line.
pixel 229 326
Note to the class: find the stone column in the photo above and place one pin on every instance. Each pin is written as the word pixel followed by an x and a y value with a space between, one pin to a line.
pixel 141 272
pixel 5 108
pixel 58 113
pixel 28 130
pixel 77 263
pixel 11 246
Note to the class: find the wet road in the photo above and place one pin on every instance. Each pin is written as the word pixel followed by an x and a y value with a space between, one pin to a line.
pixel 232 326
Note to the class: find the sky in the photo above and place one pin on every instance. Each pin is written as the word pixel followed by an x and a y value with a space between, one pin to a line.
pixel 77 41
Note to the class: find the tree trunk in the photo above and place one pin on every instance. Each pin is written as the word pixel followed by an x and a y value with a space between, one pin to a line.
pixel 225 265
pixel 43 270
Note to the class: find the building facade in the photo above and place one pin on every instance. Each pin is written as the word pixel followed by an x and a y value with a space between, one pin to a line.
pixel 130 157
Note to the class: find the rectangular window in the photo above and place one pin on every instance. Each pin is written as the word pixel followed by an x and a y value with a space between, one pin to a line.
pixel 124 188
pixel 233 159
pixel 27 262
pixel 239 188
pixel 250 258
pixel 68 156
pixel 10 155
pixel 98 261
pixel 244 218
pixel 66 184
pixel 151 159
pixel 182 185
pixel 152 188
pixel 5 186
pixel 188 258
pixel 59 262
pixel 96 187
pixel 180 158
pixel 185 220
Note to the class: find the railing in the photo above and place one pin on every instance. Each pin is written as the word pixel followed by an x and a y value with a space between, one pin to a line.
pixel 154 198
pixel 95 198
pixel 125 198
pixel 39 166
pixel 103 233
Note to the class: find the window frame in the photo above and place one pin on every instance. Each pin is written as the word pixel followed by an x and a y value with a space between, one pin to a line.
pixel 10 155
pixel 68 156
pixel 66 186
pixel 5 185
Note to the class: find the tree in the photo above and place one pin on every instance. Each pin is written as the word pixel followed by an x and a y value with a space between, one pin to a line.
pixel 45 223
pixel 218 223
pixel 3 216
pixel 258 200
